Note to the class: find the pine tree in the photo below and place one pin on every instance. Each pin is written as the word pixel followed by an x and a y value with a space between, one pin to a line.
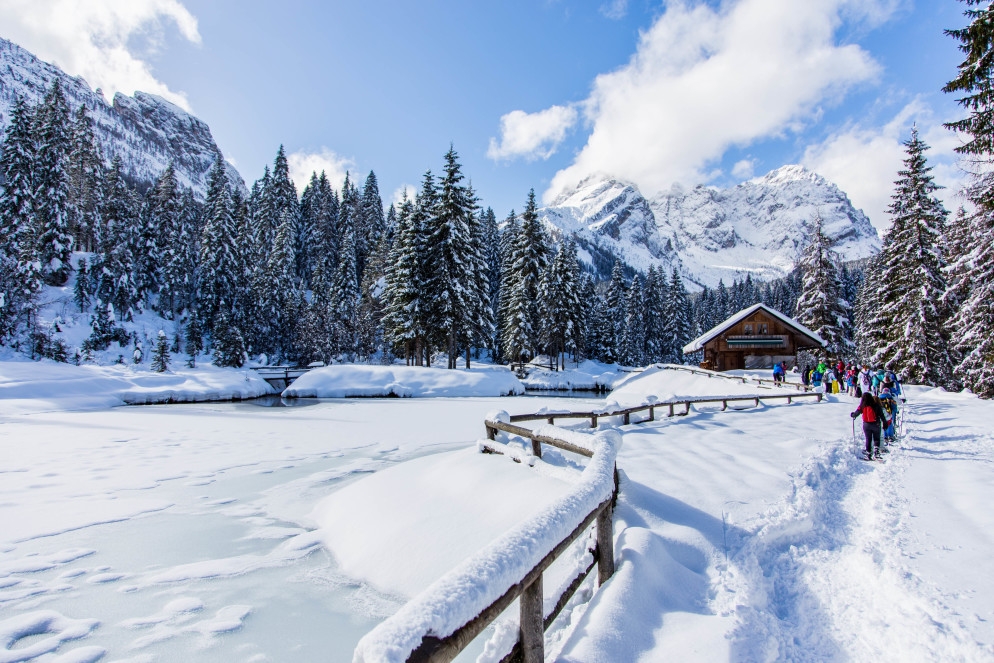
pixel 115 269
pixel 520 335
pixel 194 339
pixel 910 280
pixel 51 199
pixel 657 335
pixel 561 308
pixel 345 299
pixel 973 323
pixel 229 346
pixel 167 213
pixel 369 223
pixel 403 291
pixel 20 267
pixel 678 312
pixel 492 257
pixel 86 168
pixel 821 307
pixel 635 325
pixel 81 291
pixel 616 314
pixel 508 238
pixel 160 356
pixel 218 284
pixel 283 295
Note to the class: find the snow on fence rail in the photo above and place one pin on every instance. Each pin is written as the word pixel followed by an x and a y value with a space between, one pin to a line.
pixel 715 374
pixel 440 622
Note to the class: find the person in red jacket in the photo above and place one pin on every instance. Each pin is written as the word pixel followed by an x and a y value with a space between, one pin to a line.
pixel 873 420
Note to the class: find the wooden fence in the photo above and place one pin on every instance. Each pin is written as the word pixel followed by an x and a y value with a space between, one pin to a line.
pixel 530 647
pixel 744 380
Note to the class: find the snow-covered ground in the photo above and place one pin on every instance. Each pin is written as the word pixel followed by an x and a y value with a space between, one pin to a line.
pixel 201 532
pixel 587 375
pixel 351 381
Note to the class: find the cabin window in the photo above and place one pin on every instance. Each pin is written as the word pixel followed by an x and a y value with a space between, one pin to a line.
pixel 763 328
pixel 748 330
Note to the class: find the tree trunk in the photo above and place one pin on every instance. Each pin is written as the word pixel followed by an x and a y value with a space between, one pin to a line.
pixel 467 356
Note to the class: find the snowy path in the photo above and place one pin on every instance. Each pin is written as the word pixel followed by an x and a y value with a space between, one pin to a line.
pixel 829 557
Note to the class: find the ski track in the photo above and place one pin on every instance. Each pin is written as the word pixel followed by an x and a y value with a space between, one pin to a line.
pixel 824 575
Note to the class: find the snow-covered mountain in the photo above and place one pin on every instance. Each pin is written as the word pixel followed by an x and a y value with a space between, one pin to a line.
pixel 759 227
pixel 146 131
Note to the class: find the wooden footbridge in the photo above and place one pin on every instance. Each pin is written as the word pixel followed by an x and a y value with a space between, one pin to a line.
pixel 281 377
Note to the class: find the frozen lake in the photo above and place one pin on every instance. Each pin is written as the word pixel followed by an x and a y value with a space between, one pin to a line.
pixel 181 532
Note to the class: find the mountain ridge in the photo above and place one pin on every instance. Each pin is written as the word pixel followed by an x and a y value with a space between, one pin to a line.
pixel 145 130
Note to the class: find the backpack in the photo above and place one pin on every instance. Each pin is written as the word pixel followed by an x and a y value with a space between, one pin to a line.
pixel 869 416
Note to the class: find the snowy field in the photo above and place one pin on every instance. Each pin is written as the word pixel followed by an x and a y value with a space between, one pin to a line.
pixel 233 532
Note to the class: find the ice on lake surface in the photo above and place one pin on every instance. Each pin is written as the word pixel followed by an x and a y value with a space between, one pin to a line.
pixel 182 532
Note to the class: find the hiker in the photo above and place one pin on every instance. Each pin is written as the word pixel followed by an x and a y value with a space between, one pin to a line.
pixel 806 376
pixel 778 374
pixel 865 382
pixel 816 375
pixel 889 405
pixel 873 416
pixel 829 380
pixel 877 381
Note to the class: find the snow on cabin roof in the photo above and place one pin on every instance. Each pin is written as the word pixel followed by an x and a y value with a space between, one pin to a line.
pixel 698 343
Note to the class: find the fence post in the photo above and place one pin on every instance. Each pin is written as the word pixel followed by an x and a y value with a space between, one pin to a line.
pixel 686 408
pixel 652 413
pixel 531 623
pixel 724 405
pixel 551 420
pixel 491 433
pixel 593 421
pixel 628 417
pixel 605 544
pixel 537 448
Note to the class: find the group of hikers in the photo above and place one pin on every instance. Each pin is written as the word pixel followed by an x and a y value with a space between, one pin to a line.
pixel 878 392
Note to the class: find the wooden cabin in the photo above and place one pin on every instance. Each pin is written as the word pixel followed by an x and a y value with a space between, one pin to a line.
pixel 756 337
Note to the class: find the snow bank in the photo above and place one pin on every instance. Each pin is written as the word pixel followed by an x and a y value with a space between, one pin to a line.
pixel 465 591
pixel 671 384
pixel 33 386
pixel 350 381
pixel 589 375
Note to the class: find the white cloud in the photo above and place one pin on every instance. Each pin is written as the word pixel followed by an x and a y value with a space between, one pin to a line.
pixel 615 10
pixel 398 193
pixel 703 80
pixel 532 135
pixel 303 163
pixel 864 161
pixel 95 40
pixel 744 169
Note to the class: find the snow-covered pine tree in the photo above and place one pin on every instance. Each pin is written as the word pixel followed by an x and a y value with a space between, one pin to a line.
pixel 81 291
pixel 229 346
pixel 635 324
pixel 508 239
pixel 115 267
pixel 194 339
pixel 165 210
pixel 402 292
pixel 160 356
pixel 345 296
pixel 218 278
pixel 492 253
pixel 616 313
pixel 561 308
pixel 910 281
pixel 86 168
pixel 678 314
pixel 20 267
pixel 283 295
pixel 370 223
pixel 821 307
pixel 595 328
pixel 973 324
pixel 452 259
pixel 530 260
pixel 51 179
pixel 655 321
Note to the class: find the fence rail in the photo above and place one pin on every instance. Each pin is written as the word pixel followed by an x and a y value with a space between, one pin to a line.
pixel 745 380
pixel 530 647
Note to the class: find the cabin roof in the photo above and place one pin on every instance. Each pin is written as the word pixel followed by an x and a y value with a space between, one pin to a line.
pixel 699 343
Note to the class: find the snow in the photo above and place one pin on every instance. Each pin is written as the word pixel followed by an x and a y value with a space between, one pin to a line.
pixel 757 228
pixel 588 375
pixel 34 386
pixel 230 531
pixel 350 381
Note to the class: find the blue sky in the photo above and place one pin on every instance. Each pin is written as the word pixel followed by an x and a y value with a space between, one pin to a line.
pixel 534 94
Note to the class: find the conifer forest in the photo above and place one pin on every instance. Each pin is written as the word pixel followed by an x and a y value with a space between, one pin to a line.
pixel 331 274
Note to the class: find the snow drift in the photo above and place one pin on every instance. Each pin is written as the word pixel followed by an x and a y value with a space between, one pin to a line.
pixel 356 381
